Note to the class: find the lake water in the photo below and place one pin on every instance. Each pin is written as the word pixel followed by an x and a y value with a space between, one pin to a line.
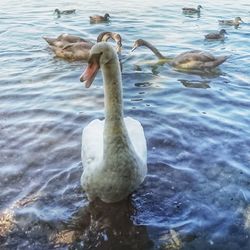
pixel 197 191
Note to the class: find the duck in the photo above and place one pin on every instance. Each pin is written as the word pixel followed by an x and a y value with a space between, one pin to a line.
pixel 114 150
pixel 64 12
pixel 192 10
pixel 75 48
pixel 99 19
pixel 234 22
pixel 190 60
pixel 216 35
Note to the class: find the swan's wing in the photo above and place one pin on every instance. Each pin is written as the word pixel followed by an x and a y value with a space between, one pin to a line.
pixel 92 143
pixel 77 46
pixel 137 137
pixel 193 56
pixel 73 39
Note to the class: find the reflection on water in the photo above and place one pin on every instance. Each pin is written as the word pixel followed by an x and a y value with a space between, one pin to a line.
pixel 103 226
pixel 196 194
pixel 195 84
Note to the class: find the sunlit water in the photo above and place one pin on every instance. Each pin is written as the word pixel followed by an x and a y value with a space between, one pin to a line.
pixel 197 191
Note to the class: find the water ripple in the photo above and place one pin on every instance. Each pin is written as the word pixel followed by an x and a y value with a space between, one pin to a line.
pixel 196 194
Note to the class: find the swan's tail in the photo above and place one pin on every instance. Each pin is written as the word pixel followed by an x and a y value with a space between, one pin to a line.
pixel 50 41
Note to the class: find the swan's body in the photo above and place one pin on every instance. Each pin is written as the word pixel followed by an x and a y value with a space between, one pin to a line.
pixel 114 152
pixel 234 22
pixel 72 47
pixel 192 10
pixel 74 51
pixel 216 35
pixel 99 19
pixel 64 12
pixel 194 59
pixel 65 39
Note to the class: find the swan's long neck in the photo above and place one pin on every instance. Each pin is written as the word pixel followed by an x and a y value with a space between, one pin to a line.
pixel 112 91
pixel 154 50
pixel 115 131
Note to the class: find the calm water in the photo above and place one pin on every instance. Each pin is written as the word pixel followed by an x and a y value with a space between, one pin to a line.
pixel 197 191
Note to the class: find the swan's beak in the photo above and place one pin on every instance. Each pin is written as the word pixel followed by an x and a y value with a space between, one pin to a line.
pixel 134 47
pixel 90 72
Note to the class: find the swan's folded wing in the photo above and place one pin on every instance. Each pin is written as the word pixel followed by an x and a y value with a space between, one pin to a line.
pixel 137 137
pixel 194 55
pixel 92 142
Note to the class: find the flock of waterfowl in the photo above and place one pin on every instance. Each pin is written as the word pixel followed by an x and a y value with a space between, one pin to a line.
pixel 114 151
pixel 76 48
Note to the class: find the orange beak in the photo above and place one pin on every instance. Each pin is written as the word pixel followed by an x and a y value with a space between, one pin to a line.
pixel 90 72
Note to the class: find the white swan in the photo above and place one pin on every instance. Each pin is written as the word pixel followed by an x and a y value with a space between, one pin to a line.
pixel 114 151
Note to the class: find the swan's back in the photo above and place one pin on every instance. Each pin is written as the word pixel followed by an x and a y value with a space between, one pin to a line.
pixel 113 182
pixel 197 59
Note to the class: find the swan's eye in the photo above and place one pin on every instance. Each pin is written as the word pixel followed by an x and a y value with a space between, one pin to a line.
pixel 94 58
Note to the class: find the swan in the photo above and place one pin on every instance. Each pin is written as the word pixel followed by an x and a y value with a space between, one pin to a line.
pixel 192 10
pixel 234 22
pixel 76 48
pixel 114 151
pixel 194 59
pixel 99 19
pixel 64 39
pixel 64 12
pixel 216 35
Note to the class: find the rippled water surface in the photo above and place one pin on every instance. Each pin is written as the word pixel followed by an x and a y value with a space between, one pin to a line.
pixel 197 191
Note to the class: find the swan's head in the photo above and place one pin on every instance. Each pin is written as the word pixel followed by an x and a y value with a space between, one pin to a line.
pixel 138 43
pixel 100 54
pixel 199 7
pixel 105 36
pixel 238 20
pixel 223 31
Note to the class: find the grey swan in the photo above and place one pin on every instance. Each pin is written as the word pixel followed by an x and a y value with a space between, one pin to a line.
pixel 190 60
pixel 75 48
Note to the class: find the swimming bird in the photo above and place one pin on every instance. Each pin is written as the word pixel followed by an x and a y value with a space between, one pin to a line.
pixel 234 22
pixel 64 12
pixel 194 59
pixel 65 39
pixel 216 35
pixel 192 10
pixel 114 151
pixel 76 48
pixel 106 35
pixel 99 19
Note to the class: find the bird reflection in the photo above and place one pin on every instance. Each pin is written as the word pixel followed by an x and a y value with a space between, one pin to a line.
pixel 108 226
pixel 195 84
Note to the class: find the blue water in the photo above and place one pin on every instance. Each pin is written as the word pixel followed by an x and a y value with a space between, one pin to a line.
pixel 197 191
